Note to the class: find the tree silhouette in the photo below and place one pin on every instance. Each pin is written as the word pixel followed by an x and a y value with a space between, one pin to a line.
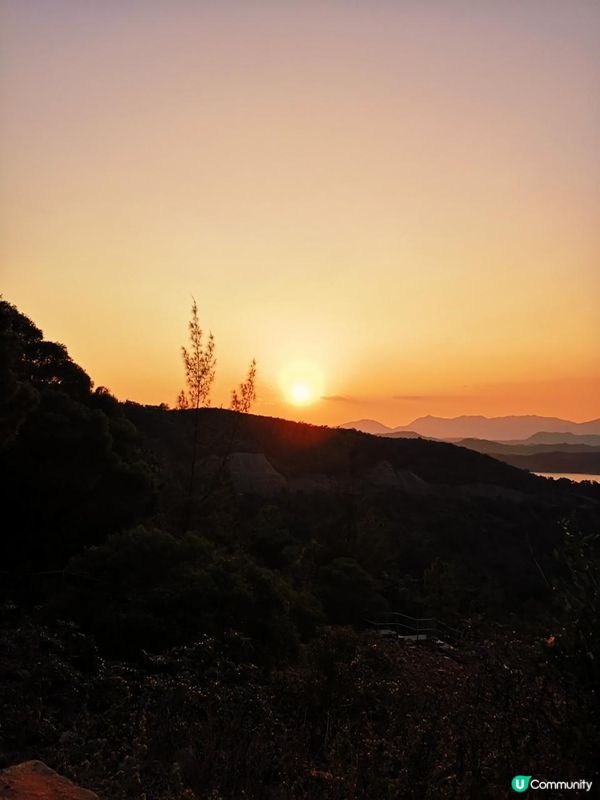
pixel 199 363
pixel 243 399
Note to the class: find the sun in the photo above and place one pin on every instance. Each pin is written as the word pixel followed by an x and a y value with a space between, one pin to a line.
pixel 301 383
pixel 300 393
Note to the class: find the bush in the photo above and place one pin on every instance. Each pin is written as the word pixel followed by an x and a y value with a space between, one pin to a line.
pixel 147 589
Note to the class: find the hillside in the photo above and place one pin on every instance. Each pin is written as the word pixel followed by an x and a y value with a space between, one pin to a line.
pixel 389 508
pixel 526 448
pixel 297 449
pixel 569 458
pixel 556 461
pixel 566 438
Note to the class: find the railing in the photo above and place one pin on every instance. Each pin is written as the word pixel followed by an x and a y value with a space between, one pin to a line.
pixel 401 626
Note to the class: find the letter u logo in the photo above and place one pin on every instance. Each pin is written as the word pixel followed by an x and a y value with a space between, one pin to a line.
pixel 520 783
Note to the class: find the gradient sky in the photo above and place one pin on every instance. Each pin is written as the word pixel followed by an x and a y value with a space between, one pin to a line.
pixel 405 195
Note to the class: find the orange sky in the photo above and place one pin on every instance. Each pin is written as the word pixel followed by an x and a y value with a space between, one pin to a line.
pixel 403 195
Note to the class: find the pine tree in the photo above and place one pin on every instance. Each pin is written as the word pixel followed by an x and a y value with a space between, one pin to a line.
pixel 199 364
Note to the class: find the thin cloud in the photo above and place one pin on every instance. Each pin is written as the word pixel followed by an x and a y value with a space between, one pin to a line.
pixel 408 398
pixel 338 398
pixel 428 398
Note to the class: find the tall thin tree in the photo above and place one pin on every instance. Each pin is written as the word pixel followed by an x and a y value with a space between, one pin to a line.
pixel 199 363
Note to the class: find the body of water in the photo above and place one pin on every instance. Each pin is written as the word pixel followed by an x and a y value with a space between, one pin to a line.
pixel 571 476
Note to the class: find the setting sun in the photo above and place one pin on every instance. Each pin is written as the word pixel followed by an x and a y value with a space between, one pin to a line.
pixel 302 383
pixel 300 393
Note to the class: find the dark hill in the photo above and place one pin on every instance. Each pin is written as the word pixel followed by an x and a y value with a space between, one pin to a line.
pixel 566 438
pixel 499 449
pixel 366 523
pixel 555 461
pixel 297 449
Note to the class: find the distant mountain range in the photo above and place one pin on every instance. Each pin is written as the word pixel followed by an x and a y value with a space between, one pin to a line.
pixel 539 444
pixel 542 430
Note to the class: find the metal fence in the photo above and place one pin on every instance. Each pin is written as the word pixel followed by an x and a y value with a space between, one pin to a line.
pixel 401 626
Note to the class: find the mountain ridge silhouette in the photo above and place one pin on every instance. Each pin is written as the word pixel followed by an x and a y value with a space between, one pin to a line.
pixel 506 428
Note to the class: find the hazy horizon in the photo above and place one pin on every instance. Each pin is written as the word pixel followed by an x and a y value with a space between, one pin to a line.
pixel 483 416
pixel 393 207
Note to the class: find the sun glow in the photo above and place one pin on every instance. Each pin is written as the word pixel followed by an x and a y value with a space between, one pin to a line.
pixel 302 383
pixel 300 393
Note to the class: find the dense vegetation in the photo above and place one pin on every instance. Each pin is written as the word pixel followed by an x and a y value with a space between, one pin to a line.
pixel 212 643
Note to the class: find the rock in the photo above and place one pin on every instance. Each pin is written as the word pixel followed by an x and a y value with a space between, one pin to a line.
pixel 383 475
pixel 33 780
pixel 251 473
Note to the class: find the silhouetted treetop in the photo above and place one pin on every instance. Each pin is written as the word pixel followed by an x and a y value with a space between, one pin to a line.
pixel 71 467
pixel 36 360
